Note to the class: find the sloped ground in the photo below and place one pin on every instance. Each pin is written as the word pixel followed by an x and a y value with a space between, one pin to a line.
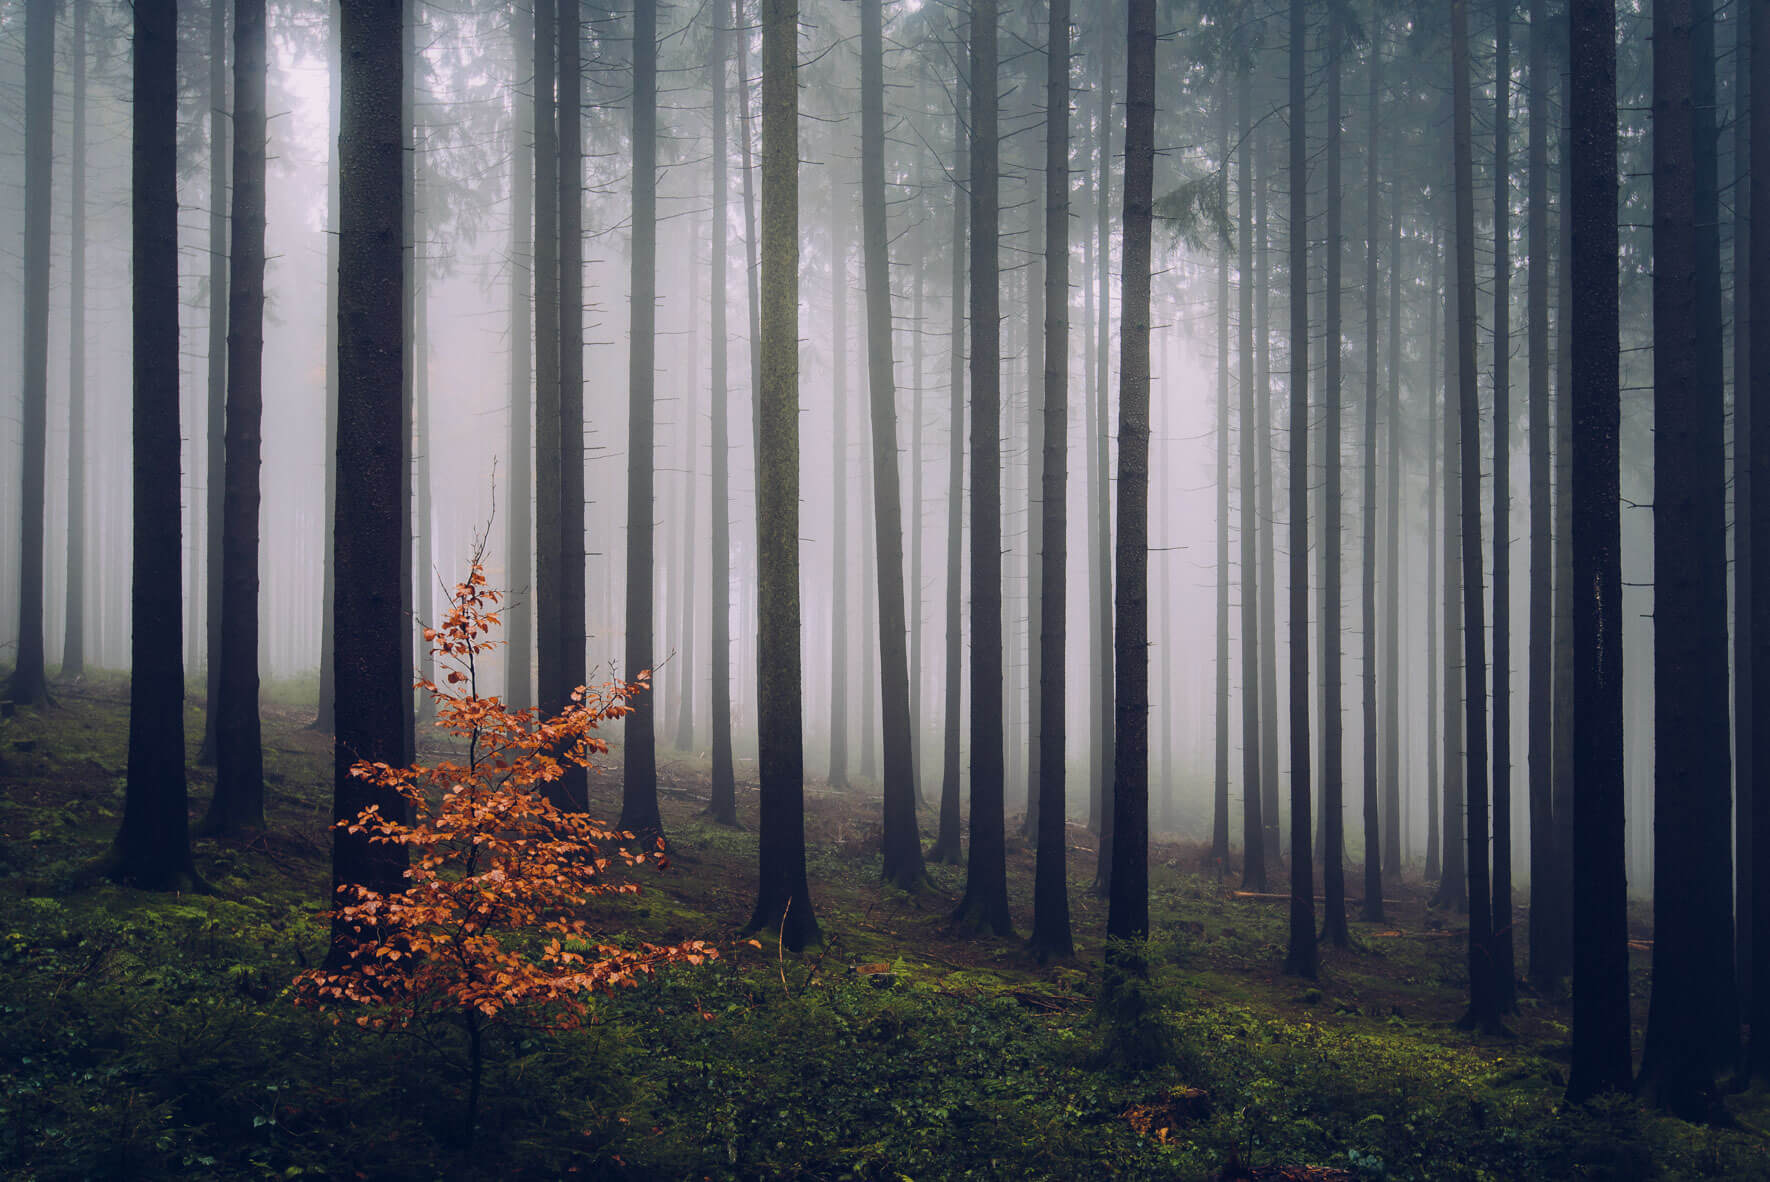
pixel 153 1036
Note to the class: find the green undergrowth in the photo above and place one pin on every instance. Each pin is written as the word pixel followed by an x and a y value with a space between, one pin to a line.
pixel 153 1036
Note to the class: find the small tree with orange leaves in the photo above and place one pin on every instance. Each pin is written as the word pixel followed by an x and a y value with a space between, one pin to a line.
pixel 489 929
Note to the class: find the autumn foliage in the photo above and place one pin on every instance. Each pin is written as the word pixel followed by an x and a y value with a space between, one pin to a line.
pixel 490 927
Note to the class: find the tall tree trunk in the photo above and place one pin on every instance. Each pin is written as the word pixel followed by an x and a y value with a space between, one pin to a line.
pixel 1436 520
pixel 519 616
pixel 1035 524
pixel 946 843
pixel 1051 934
pixel 1483 1012
pixel 423 513
pixel 411 341
pixel 73 645
pixel 783 900
pixel 325 711
pixel 1601 1059
pixel 1563 658
pixel 1759 287
pixel 1453 885
pixel 1691 1020
pixel 1372 911
pixel 1220 696
pixel 722 807
pixel 1333 819
pixel 1127 915
pixel 549 590
pixel 153 843
pixel 984 906
pixel 917 629
pixel 902 845
pixel 570 212
pixel 1268 577
pixel 1392 844
pixel 215 449
pixel 239 765
pixel 684 586
pixel 1548 930
pixel 1253 867
pixel 840 628
pixel 639 789
pixel 1101 526
pixel 1505 995
pixel 1300 956
pixel 1744 738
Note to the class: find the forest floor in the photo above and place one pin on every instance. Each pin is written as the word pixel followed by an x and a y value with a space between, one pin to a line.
pixel 152 1036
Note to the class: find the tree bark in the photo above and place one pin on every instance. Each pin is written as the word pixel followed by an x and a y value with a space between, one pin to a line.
pixel 1333 819
pixel 722 807
pixel 1220 695
pixel 1268 576
pixel 549 588
pixel 1433 530
pixel 325 712
pixel 570 210
pixel 519 614
pixel 1372 909
pixel 839 626
pixel 1759 287
pixel 73 645
pixel 1505 991
pixel 1253 868
pixel 1101 525
pixel 215 437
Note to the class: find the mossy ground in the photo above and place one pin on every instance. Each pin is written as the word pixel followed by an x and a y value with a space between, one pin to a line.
pixel 153 1036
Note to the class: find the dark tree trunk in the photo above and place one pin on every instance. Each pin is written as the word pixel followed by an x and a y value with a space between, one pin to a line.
pixel 1220 695
pixel 682 587
pixel 519 614
pixel 1372 911
pixel 1392 843
pixel 985 903
pixel 946 842
pixel 1505 991
pixel 239 765
pixel 325 712
pixel 73 645
pixel 1435 521
pixel 549 589
pixel 639 788
pixel 840 627
pixel 1268 576
pixel 215 438
pixel 370 526
pixel 1744 738
pixel 1100 527
pixel 1253 866
pixel 1128 904
pixel 1565 695
pixel 1484 999
pixel 752 269
pixel 1453 884
pixel 722 807
pixel 1601 1059
pixel 783 899
pixel 423 514
pixel 1548 930
pixel 917 629
pixel 1691 1021
pixel 411 341
pixel 1759 286
pixel 570 209
pixel 1051 934
pixel 902 845
pixel 1333 818
pixel 1300 956
pixel 153 843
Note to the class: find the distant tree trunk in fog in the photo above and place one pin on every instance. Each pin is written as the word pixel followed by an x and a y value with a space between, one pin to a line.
pixel 1502 950
pixel 370 523
pixel 1434 531
pixel 1392 844
pixel 1744 740
pixel 1268 577
pixel 409 212
pixel 325 712
pixel 1453 886
pixel 1300 955
pixel 783 899
pixel 1565 692
pixel 639 789
pixel 1220 697
pixel 153 843
pixel 1372 911
pixel 1128 903
pixel 840 626
pixel 1035 523
pixel 684 586
pixel 869 621
pixel 215 453
pixel 1333 818
pixel 946 843
pixel 1253 868
pixel 73 645
pixel 1100 522
pixel 1692 1016
pixel 239 764
pixel 917 628
pixel 424 574
pixel 722 804
pixel 570 211
pixel 984 906
pixel 902 845
pixel 1484 998
pixel 549 591
pixel 1758 1058
pixel 519 565
pixel 1548 932
pixel 1051 934
pixel 751 243
pixel 1600 1026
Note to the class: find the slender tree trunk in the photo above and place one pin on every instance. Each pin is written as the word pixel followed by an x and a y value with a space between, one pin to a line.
pixel 549 589
pixel 1253 867
pixel 1601 1059
pixel 1434 527
pixel 1453 885
pixel 1333 819
pixel 215 449
pixel 1565 693
pixel 639 789
pixel 690 671
pixel 840 627
pixel 1759 287
pixel 1692 1027
pixel 783 899
pixel 153 843
pixel 411 340
pixel 1300 957
pixel 1051 934
pixel 1220 698
pixel 1101 531
pixel 239 772
pixel 73 645
pixel 722 807
pixel 985 903
pixel 1268 577
pixel 519 617
pixel 1505 995
pixel 1372 911
pixel 1392 844
pixel 902 845
pixel 946 844
pixel 325 711
pixel 917 628
pixel 570 210
pixel 1744 738
pixel 423 515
